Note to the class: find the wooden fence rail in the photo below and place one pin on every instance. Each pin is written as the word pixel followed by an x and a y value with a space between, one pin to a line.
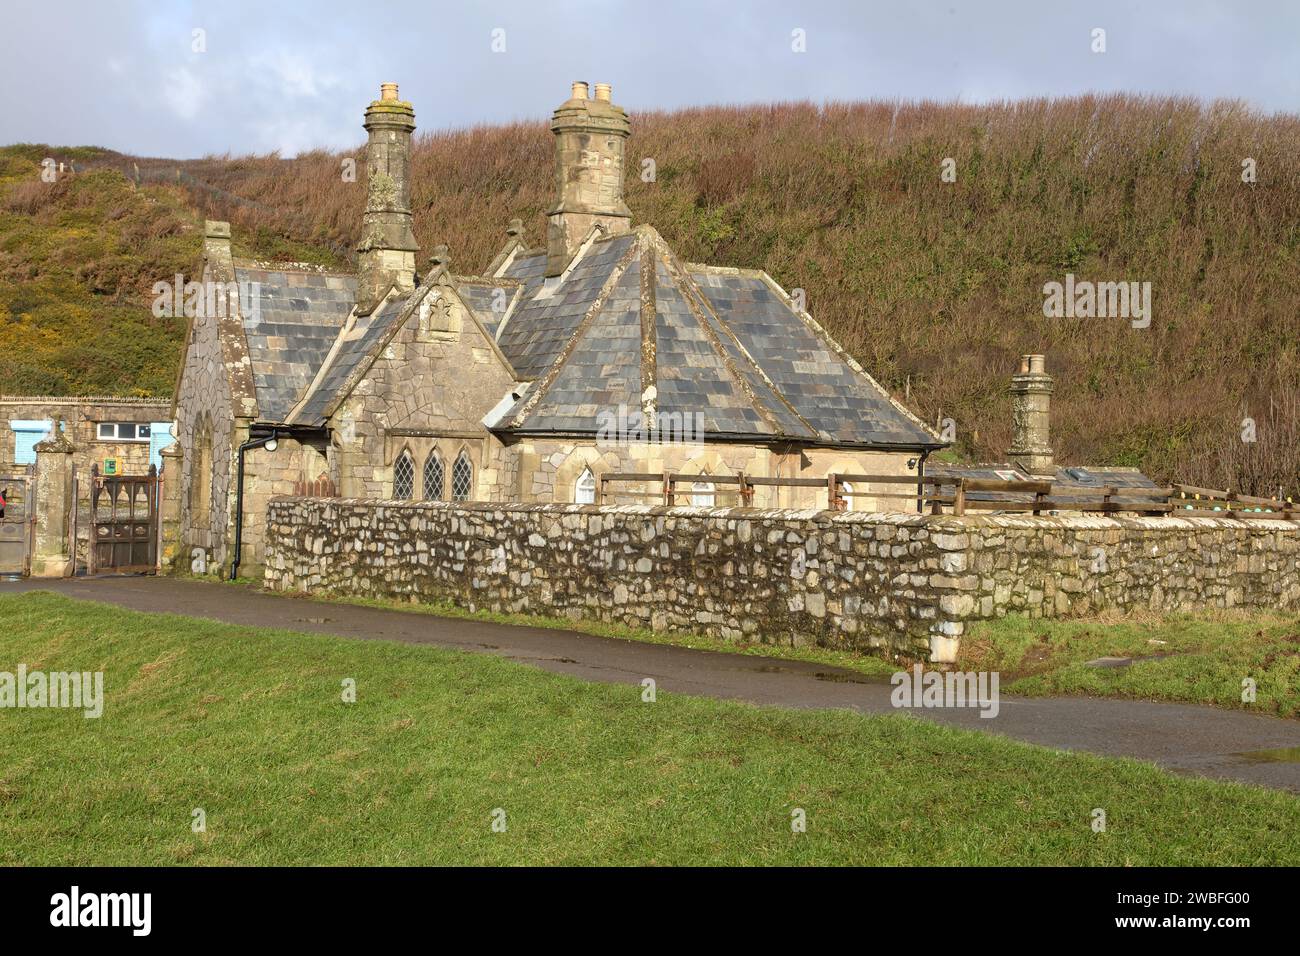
pixel 940 492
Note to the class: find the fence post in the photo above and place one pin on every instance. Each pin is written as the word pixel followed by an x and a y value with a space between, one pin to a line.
pixel 959 497
pixel 833 491
pixel 600 489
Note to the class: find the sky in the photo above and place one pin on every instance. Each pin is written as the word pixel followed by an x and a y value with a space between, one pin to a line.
pixel 188 79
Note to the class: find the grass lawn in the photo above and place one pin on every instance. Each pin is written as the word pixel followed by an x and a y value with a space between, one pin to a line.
pixel 1198 658
pixel 249 725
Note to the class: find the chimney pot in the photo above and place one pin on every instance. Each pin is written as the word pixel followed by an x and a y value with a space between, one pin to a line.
pixel 388 92
pixel 603 92
pixel 579 90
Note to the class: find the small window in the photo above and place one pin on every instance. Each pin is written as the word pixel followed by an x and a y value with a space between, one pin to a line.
pixel 403 476
pixel 122 431
pixel 702 495
pixel 435 486
pixel 27 435
pixel 462 478
pixel 584 492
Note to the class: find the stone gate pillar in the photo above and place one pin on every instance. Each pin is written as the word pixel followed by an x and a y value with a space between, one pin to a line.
pixel 169 508
pixel 53 504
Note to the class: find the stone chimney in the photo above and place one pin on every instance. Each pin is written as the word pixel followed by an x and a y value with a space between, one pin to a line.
pixel 1031 417
pixel 589 137
pixel 388 247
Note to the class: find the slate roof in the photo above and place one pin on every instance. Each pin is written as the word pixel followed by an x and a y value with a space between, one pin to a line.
pixel 489 299
pixel 1070 484
pixel 726 345
pixel 297 317
pixel 722 347
pixel 355 344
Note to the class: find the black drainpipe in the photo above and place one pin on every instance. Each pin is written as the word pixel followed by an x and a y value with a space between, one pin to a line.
pixel 920 481
pixel 239 497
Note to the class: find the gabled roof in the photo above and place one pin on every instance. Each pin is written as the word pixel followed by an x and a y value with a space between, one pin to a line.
pixel 291 318
pixel 355 346
pixel 628 324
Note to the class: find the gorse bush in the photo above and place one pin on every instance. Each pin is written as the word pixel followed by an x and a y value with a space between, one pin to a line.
pixel 936 287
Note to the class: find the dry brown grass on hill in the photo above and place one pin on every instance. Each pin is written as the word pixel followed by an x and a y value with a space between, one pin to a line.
pixel 936 287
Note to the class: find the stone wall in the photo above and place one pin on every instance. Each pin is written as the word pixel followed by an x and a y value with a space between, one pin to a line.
pixel 886 582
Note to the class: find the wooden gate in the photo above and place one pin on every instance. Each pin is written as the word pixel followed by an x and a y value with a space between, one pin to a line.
pixel 124 522
pixel 18 525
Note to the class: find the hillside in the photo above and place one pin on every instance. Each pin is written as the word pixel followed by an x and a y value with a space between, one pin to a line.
pixel 936 287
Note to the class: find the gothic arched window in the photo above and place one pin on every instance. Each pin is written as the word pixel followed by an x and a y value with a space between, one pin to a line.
pixel 584 490
pixel 462 478
pixel 403 475
pixel 702 494
pixel 435 487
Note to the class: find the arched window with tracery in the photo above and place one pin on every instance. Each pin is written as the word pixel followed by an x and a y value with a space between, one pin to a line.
pixel 462 478
pixel 584 490
pixel 435 484
pixel 404 476
pixel 702 494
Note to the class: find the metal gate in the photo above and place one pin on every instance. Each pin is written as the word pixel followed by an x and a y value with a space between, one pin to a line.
pixel 18 526
pixel 124 522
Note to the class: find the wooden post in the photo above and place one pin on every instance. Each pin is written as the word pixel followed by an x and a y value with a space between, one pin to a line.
pixel 90 544
pixel 746 491
pixel 670 488
pixel 833 491
pixel 959 497
pixel 600 489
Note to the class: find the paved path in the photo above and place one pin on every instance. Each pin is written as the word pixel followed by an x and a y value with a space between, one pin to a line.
pixel 1180 737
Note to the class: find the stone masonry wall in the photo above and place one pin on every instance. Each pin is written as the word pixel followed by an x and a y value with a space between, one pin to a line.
pixel 887 582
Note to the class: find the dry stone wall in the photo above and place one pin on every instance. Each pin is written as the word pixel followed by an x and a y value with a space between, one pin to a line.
pixel 895 583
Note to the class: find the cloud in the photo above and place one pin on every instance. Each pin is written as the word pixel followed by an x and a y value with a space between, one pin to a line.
pixel 303 77
pixel 184 92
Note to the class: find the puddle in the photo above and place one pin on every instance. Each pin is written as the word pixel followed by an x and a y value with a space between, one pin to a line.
pixel 770 669
pixel 841 678
pixel 1278 755
pixel 312 620
pixel 1108 662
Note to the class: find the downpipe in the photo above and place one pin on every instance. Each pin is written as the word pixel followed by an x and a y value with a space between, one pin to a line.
pixel 239 496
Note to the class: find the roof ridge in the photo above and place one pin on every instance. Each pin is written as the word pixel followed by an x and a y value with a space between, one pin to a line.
pixel 306 268
pixel 698 303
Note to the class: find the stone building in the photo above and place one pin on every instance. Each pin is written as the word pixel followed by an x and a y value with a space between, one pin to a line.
pixel 597 352
pixel 125 434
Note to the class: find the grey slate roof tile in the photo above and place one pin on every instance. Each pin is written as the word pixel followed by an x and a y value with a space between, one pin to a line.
pixel 290 329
